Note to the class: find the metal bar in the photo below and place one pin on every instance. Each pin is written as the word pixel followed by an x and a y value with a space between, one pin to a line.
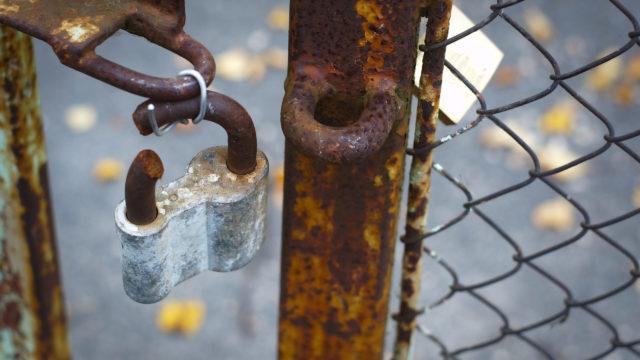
pixel 438 14
pixel 74 28
pixel 340 209
pixel 32 318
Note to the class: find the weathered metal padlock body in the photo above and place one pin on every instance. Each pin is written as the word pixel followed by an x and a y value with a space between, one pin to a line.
pixel 209 219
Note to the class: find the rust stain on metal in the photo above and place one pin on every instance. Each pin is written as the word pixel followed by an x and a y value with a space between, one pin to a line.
pixel 74 29
pixel 375 33
pixel 32 321
pixel 341 205
pixel 438 14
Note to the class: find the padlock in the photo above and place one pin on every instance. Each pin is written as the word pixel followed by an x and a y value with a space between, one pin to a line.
pixel 212 218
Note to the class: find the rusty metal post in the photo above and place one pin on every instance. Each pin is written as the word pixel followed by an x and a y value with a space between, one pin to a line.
pixel 32 318
pixel 351 65
pixel 438 14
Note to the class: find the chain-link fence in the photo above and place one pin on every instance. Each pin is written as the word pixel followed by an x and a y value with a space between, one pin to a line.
pixel 567 287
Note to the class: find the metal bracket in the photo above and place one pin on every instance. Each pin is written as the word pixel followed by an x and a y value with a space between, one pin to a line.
pixel 74 28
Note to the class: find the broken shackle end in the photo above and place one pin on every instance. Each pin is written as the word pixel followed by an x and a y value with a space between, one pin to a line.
pixel 306 86
pixel 140 187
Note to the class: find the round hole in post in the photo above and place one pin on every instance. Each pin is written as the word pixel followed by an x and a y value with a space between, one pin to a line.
pixel 339 110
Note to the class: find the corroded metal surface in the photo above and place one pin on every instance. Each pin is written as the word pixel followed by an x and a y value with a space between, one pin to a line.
pixel 222 110
pixel 340 217
pixel 74 28
pixel 350 142
pixel 209 219
pixel 438 14
pixel 32 320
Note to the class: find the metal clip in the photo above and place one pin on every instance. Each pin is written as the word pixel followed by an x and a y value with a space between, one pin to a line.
pixel 159 131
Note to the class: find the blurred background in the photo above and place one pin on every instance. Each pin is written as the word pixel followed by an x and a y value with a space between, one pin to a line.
pixel 91 140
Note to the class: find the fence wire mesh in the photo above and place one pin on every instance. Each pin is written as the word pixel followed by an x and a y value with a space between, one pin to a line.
pixel 511 325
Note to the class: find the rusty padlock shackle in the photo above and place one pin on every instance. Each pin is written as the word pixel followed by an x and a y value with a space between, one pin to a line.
pixel 147 168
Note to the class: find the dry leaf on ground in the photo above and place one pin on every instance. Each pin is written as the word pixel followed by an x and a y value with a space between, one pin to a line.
pixel 184 317
pixel 275 58
pixel 507 76
pixel 278 18
pixel 624 94
pixel 553 156
pixel 538 24
pixel 277 187
pixel 604 76
pixel 240 65
pixel 81 118
pixel 185 128
pixel 559 118
pixel 496 138
pixel 554 215
pixel 108 170
pixel 633 68
pixel 636 197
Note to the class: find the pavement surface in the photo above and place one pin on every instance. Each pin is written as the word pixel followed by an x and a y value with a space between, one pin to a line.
pixel 241 307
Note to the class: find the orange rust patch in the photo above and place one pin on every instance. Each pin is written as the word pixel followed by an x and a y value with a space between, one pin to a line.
pixel 307 205
pixel 375 34
pixel 5 9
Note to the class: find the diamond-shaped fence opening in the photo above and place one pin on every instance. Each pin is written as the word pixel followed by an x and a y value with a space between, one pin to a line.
pixel 560 215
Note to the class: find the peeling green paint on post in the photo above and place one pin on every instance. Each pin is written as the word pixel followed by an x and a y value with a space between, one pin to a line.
pixel 32 321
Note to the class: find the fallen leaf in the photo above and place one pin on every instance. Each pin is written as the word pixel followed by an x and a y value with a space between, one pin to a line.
pixel 624 94
pixel 555 215
pixel 507 76
pixel 633 68
pixel 553 156
pixel 184 317
pixel 275 58
pixel 636 197
pixel 602 77
pixel 277 187
pixel 538 24
pixel 185 128
pixel 278 18
pixel 108 170
pixel 559 118
pixel 81 118
pixel 498 139
pixel 239 65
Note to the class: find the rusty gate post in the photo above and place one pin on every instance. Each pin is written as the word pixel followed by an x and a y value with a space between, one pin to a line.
pixel 345 115
pixel 32 319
